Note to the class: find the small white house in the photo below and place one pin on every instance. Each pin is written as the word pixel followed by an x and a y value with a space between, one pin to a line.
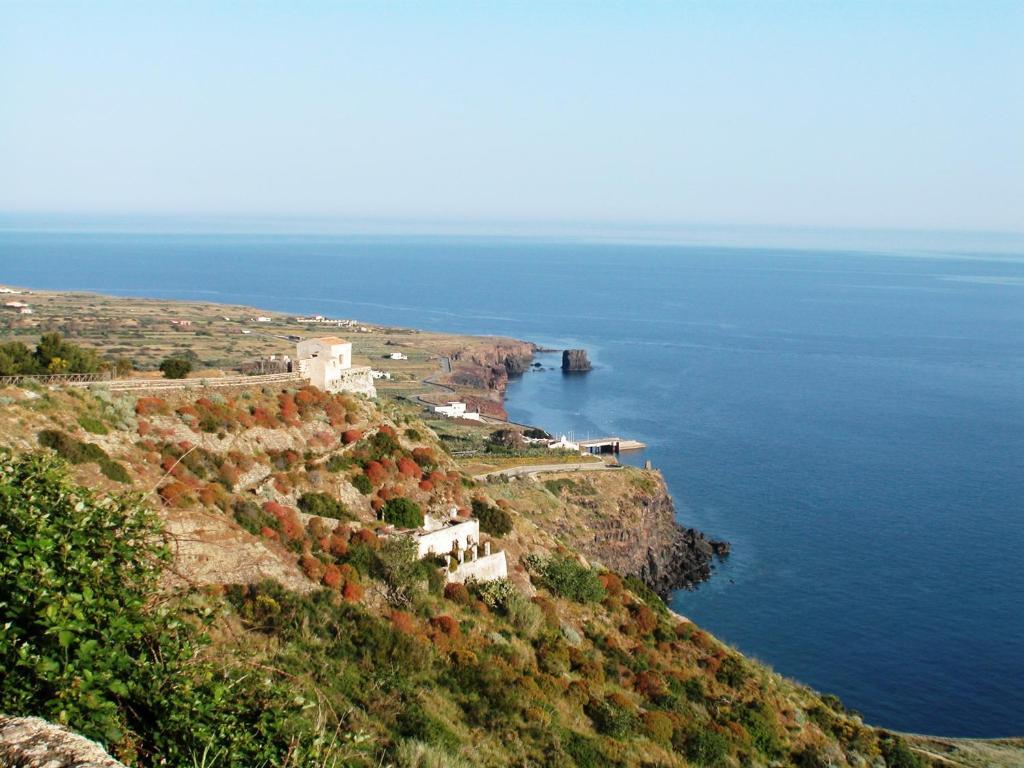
pixel 399 356
pixel 381 374
pixel 263 319
pixel 326 361
pixel 563 444
pixel 456 410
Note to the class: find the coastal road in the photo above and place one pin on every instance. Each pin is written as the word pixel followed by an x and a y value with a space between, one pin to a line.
pixel 529 470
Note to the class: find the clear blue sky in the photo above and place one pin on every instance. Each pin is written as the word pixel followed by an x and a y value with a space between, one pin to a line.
pixel 863 114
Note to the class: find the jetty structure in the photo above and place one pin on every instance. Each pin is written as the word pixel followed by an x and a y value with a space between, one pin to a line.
pixel 610 445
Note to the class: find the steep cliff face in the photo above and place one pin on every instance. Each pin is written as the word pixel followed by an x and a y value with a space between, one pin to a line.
pixel 487 367
pixel 626 520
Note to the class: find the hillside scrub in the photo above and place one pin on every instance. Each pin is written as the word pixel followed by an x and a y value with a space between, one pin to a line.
pixel 85 643
pixel 374 658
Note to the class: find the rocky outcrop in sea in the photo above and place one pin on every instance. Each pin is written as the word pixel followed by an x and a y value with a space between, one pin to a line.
pixel 575 361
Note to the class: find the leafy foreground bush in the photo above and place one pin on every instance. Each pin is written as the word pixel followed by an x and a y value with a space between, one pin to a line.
pixel 84 641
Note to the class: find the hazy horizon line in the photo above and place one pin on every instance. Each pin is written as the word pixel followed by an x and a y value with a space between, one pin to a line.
pixel 908 242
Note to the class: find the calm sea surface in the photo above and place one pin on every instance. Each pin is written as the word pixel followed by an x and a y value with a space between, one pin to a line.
pixel 852 422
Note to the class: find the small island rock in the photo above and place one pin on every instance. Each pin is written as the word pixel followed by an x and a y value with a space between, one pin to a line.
pixel 575 360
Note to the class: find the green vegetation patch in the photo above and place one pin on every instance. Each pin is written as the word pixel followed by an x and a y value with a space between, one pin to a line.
pixel 493 520
pixel 567 577
pixel 92 425
pixel 323 505
pixel 402 513
pixel 78 452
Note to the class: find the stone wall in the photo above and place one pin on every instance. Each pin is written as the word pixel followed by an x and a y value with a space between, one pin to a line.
pixel 443 540
pixel 484 568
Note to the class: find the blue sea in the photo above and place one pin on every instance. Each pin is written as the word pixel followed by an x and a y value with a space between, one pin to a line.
pixel 851 419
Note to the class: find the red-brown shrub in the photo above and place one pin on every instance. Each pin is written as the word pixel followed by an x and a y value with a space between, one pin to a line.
pixel 366 536
pixel 645 620
pixel 263 418
pixel 353 592
pixel 649 684
pixel 332 577
pixel 290 525
pixel 409 468
pixel 312 567
pixel 289 412
pixel 307 396
pixel 423 456
pixel 351 436
pixel 375 472
pixel 403 622
pixel 337 545
pixel 147 406
pixel 175 494
pixel 446 626
pixel 426 485
pixel 457 593
pixel 612 583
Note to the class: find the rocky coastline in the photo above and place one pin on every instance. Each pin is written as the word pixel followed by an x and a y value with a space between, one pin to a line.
pixel 649 543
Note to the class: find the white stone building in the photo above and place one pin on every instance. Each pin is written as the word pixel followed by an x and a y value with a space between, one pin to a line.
pixel 456 410
pixel 326 361
pixel 458 541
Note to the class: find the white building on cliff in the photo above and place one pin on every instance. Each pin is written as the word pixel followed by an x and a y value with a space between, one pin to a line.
pixel 326 362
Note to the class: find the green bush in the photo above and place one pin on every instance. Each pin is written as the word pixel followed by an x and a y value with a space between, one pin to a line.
pixel 396 564
pixel 85 643
pixel 731 672
pixel 758 720
pixel 493 520
pixel 402 513
pixel 114 471
pixel 175 367
pixel 702 746
pixel 645 593
pixel 610 718
pixel 252 518
pixel 584 751
pixel 362 484
pixel 92 424
pixel 382 446
pixel 71 449
pixel 323 505
pixel 568 578
pixel 338 462
pixel 897 754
